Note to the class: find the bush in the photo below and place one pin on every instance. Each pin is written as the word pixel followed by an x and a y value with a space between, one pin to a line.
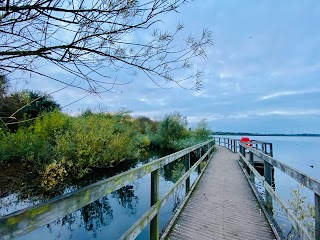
pixel 171 128
pixel 100 141
pixel 23 146
pixel 172 133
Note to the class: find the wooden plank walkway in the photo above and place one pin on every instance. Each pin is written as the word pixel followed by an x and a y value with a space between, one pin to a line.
pixel 222 205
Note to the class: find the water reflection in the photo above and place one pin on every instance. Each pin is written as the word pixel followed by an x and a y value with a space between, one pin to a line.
pixel 126 198
pixel 110 216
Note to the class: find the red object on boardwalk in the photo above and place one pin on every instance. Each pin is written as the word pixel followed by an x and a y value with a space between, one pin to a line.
pixel 246 140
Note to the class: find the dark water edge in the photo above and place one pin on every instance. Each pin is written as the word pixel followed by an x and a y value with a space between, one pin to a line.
pixel 110 216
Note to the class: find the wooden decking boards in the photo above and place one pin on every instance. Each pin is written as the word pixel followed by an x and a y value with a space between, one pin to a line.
pixel 222 205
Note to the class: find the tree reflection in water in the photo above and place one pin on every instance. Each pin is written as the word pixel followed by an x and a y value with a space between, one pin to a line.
pixel 97 214
pixel 126 198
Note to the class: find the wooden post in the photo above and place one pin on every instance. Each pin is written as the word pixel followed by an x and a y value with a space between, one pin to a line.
pixel 199 155
pixel 241 151
pixel 252 163
pixel 154 224
pixel 268 178
pixel 219 141
pixel 317 216
pixel 187 167
pixel 232 145
pixel 271 150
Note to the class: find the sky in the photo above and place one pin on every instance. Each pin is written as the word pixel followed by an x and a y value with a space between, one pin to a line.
pixel 261 74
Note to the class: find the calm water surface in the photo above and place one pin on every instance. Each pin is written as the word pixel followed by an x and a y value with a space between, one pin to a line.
pixel 112 215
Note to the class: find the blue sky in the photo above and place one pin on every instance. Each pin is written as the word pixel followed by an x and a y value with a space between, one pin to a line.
pixel 261 74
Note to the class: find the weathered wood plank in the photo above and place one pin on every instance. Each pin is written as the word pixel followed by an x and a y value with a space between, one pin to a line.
pixel 135 229
pixel 29 219
pixel 222 205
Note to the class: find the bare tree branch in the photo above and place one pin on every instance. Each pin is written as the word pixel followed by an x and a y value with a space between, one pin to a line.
pixel 95 41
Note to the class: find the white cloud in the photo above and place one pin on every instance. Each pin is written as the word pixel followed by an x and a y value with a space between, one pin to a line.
pixel 288 93
pixel 290 113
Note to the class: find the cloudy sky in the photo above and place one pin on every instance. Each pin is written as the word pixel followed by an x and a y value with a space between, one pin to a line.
pixel 261 74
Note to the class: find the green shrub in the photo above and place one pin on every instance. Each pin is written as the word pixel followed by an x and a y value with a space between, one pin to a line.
pixel 25 147
pixel 99 141
pixel 171 128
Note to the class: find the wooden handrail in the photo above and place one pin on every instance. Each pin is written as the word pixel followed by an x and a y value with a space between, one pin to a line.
pixel 259 149
pixel 21 222
pixel 301 177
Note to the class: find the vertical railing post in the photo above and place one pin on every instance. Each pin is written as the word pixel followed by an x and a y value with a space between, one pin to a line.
pixel 205 148
pixel 232 145
pixel 317 216
pixel 187 167
pixel 154 224
pixel 268 179
pixel 219 141
pixel 271 150
pixel 241 151
pixel 252 164
pixel 237 144
pixel 199 166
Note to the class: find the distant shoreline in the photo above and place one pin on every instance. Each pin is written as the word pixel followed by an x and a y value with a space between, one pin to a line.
pixel 271 134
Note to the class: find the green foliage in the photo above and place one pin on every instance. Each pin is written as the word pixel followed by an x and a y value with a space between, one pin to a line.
pixel 171 128
pixel 202 131
pixel 25 147
pixel 60 146
pixel 172 132
pixel 35 144
pixel 100 141
pixel 147 125
pixel 304 212
pixel 20 106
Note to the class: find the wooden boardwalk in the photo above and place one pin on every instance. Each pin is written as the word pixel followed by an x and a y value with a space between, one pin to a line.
pixel 222 205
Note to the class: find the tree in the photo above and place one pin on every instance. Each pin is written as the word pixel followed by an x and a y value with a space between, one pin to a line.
pixel 17 107
pixel 4 85
pixel 202 130
pixel 95 41
pixel 173 127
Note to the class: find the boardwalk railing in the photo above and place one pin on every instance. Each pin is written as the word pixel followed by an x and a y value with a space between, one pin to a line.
pixel 29 219
pixel 234 146
pixel 263 151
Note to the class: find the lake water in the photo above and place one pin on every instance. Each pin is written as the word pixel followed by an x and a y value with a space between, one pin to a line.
pixel 111 216
pixel 300 153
